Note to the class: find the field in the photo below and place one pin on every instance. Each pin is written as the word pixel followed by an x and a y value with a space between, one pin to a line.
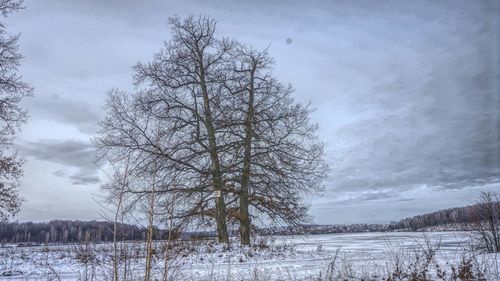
pixel 327 257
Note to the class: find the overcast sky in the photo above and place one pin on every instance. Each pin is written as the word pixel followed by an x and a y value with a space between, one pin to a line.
pixel 407 94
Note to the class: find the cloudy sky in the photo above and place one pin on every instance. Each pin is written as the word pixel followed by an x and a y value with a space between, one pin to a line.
pixel 407 94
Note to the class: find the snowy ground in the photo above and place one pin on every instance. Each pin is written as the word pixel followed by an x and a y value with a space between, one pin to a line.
pixel 284 258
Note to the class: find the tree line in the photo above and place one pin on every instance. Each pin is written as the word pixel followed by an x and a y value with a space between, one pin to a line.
pixel 467 215
pixel 483 218
pixel 64 231
pixel 457 215
pixel 75 231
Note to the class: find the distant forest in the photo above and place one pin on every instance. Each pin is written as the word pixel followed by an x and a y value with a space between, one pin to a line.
pixel 64 231
pixel 459 216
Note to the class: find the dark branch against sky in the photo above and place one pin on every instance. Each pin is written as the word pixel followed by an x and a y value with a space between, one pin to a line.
pixel 407 94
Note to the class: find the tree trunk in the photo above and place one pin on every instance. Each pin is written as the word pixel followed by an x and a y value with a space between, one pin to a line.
pixel 245 177
pixel 115 246
pixel 220 205
pixel 149 252
pixel 122 184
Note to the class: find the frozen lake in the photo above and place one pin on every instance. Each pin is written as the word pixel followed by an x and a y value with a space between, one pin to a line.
pixel 315 252
pixel 374 242
pixel 288 257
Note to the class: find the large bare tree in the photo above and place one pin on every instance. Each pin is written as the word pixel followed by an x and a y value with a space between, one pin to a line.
pixel 188 72
pixel 12 90
pixel 281 154
pixel 233 137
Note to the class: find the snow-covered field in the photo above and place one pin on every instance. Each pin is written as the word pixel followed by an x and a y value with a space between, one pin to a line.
pixel 280 258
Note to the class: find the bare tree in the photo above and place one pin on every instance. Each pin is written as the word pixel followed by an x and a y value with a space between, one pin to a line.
pixel 233 139
pixel 486 216
pixel 115 190
pixel 248 74
pixel 287 158
pixel 151 217
pixel 281 155
pixel 12 116
pixel 134 138
pixel 188 72
pixel 132 128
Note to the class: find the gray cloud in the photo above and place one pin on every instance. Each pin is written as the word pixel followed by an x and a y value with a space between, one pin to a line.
pixel 429 109
pixel 59 173
pixel 75 113
pixel 70 154
pixel 407 92
pixel 84 178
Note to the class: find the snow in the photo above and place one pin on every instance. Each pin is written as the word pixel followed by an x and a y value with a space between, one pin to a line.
pixel 280 258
